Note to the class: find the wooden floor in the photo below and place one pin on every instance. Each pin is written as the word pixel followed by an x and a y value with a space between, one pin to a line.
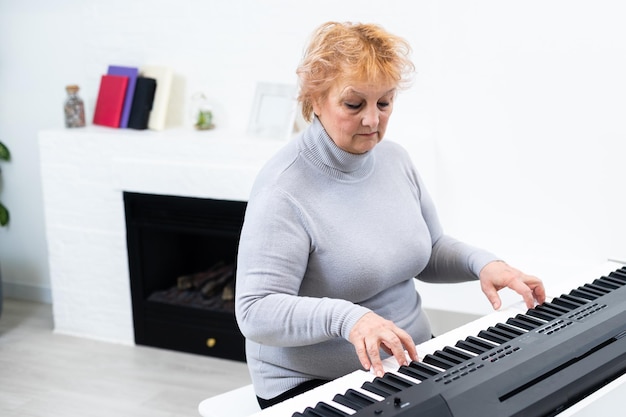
pixel 48 374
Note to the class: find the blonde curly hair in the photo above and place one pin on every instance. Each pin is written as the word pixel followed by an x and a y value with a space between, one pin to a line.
pixel 351 52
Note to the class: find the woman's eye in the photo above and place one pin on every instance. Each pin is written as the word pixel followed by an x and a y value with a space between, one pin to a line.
pixel 353 106
pixel 383 104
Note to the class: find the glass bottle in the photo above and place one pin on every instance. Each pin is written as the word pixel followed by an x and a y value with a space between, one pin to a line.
pixel 74 108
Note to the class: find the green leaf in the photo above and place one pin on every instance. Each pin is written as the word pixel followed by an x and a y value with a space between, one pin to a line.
pixel 4 152
pixel 4 215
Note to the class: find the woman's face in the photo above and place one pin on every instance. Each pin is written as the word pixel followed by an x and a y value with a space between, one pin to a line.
pixel 355 115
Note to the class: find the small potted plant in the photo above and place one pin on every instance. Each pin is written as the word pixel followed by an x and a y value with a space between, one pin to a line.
pixel 4 212
pixel 5 155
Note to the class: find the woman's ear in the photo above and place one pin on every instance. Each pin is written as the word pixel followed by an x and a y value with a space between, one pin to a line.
pixel 316 104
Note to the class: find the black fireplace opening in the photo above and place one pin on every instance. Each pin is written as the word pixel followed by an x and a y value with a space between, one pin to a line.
pixel 182 262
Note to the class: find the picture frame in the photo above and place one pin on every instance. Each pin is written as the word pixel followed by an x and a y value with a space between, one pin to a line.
pixel 274 111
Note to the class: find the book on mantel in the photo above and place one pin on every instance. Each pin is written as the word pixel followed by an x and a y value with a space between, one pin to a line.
pixel 110 102
pixel 164 77
pixel 131 73
pixel 142 103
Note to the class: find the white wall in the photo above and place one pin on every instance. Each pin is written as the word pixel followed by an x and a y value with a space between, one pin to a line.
pixel 516 118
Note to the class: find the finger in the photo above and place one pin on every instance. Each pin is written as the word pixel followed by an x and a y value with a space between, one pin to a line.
pixel 524 290
pixel 539 292
pixel 492 295
pixel 361 353
pixel 412 350
pixel 373 351
pixel 397 350
pixel 409 345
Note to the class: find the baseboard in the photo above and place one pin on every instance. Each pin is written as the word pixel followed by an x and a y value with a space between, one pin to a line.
pixel 27 292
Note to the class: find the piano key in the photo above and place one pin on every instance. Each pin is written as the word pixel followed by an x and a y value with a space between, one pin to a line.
pixel 620 275
pixel 606 284
pixel 571 299
pixel 555 309
pixel 438 361
pixel 323 410
pixel 583 294
pixel 600 290
pixel 493 337
pixel 521 324
pixel 458 353
pixel 423 369
pixel 510 329
pixel 470 347
pixel 550 312
pixel 381 387
pixel 480 342
pixel 503 332
pixel 447 356
pixel 541 315
pixel 619 281
pixel 353 399
pixel 531 320
pixel 590 291
pixel 558 308
pixel 414 373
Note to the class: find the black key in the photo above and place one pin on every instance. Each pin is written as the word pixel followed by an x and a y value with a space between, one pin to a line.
pixel 583 294
pixel 471 346
pixel 447 356
pixel 539 314
pixel 510 329
pixel 458 353
pixel 376 389
pixel 590 291
pixel 521 324
pixel 485 334
pixel 597 288
pixel 423 369
pixel 530 320
pixel 397 381
pixel 554 309
pixel 325 410
pixel 557 308
pixel 545 310
pixel 438 361
pixel 605 283
pixel 480 342
pixel 383 387
pixel 416 373
pixel 502 332
pixel 619 274
pixel 616 280
pixel 354 399
pixel 575 300
pixel 308 412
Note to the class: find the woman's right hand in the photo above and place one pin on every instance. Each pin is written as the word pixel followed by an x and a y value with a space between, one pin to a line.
pixel 371 333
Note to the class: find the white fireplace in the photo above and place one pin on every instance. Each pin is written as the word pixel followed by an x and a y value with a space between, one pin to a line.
pixel 84 172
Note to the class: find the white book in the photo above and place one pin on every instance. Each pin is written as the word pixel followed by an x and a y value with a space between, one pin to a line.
pixel 163 76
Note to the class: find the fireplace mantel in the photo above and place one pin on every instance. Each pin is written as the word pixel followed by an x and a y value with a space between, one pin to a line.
pixel 84 172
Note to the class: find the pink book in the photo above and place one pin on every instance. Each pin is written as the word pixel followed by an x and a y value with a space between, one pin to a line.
pixel 110 102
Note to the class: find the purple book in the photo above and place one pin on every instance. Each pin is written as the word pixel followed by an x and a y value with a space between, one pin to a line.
pixel 132 74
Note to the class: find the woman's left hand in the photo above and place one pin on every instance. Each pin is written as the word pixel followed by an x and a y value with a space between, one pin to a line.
pixel 497 275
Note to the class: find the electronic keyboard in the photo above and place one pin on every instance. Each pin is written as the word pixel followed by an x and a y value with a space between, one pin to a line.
pixel 535 362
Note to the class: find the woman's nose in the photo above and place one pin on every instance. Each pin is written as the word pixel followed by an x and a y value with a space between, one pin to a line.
pixel 371 117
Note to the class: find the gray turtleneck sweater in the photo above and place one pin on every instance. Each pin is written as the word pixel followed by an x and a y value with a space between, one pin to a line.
pixel 329 236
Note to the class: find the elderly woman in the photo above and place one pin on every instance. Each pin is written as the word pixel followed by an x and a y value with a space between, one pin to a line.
pixel 338 225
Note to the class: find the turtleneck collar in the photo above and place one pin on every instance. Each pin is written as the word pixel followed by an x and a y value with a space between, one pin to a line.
pixel 322 151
